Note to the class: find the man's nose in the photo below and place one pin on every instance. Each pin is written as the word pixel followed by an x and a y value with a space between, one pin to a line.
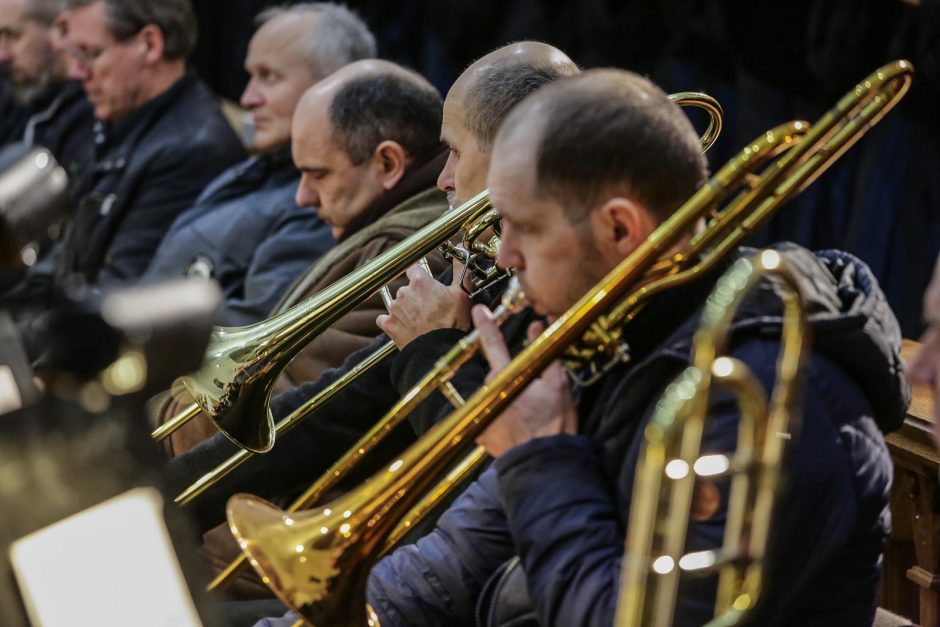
pixel 307 195
pixel 445 181
pixel 251 98
pixel 77 70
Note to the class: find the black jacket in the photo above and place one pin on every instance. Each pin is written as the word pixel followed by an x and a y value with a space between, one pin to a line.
pixel 149 166
pixel 13 115
pixel 61 121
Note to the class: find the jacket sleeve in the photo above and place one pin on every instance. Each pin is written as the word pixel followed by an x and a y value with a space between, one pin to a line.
pixel 297 241
pixel 168 185
pixel 570 538
pixel 418 358
pixel 437 580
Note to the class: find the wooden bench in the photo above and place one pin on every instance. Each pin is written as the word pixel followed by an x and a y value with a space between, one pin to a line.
pixel 911 579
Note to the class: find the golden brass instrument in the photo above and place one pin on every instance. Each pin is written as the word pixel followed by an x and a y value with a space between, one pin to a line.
pixel 437 379
pixel 473 250
pixel 317 562
pixel 235 383
pixel 671 460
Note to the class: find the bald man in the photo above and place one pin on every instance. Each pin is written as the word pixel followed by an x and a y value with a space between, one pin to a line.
pixel 475 106
pixel 473 110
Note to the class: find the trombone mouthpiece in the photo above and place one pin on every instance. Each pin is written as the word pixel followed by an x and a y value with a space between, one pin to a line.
pixel 512 301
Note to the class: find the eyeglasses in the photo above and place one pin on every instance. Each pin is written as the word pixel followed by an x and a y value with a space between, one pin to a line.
pixel 86 59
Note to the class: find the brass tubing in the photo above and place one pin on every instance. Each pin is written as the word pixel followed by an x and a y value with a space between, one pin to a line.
pixel 437 378
pixel 286 424
pixel 176 423
pixel 235 383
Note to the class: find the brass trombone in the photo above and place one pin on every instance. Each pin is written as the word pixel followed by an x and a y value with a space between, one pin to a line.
pixel 235 383
pixel 317 562
pixel 474 249
pixel 671 460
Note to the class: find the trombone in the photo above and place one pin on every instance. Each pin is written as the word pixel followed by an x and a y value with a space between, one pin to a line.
pixel 317 562
pixel 473 250
pixel 671 460
pixel 240 370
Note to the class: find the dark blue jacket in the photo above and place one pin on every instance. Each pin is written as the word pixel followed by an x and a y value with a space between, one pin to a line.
pixel 247 233
pixel 61 121
pixel 149 167
pixel 558 505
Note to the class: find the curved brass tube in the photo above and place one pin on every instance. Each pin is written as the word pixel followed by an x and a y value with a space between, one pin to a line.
pixel 710 106
pixel 671 460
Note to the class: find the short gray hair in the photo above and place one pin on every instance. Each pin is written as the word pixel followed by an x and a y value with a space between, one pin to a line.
pixel 341 36
pixel 43 12
pixel 175 19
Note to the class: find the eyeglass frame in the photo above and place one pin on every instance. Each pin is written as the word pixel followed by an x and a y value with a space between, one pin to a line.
pixel 87 59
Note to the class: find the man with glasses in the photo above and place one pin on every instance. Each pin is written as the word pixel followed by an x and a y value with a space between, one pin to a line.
pixel 59 116
pixel 159 136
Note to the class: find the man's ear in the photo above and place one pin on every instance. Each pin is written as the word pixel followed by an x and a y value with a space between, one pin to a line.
pixel 154 44
pixel 391 161
pixel 623 224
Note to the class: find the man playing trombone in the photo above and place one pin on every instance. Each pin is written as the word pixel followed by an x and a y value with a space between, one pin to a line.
pixel 471 117
pixel 582 172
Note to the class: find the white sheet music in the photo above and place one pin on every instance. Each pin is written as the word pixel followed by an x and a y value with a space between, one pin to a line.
pixel 111 565
pixel 10 399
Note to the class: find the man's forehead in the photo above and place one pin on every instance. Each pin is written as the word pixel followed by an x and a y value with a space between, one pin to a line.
pixel 86 22
pixel 10 13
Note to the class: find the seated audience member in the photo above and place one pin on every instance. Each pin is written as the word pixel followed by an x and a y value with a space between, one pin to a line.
pixel 13 114
pixel 472 113
pixel 925 368
pixel 60 117
pixel 365 140
pixel 590 166
pixel 159 138
pixel 246 231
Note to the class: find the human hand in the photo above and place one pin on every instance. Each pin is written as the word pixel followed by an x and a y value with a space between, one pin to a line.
pixel 544 408
pixel 424 305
